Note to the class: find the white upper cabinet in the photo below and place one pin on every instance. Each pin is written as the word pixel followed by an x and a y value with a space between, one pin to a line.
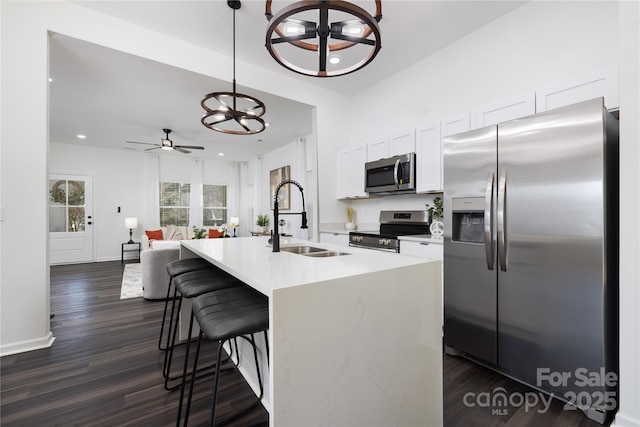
pixel 350 172
pixel 402 142
pixel 378 149
pixel 507 109
pixel 455 124
pixel 429 158
pixel 602 82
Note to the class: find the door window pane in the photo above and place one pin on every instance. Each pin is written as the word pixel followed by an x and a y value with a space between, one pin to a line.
pixel 66 205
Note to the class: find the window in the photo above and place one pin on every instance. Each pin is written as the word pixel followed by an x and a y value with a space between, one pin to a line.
pixel 66 206
pixel 214 204
pixel 174 203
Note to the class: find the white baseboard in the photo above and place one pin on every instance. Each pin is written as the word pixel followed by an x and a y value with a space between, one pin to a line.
pixel 622 420
pixel 29 345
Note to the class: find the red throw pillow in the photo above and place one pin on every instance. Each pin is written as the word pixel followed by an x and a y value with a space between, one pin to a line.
pixel 154 234
pixel 213 233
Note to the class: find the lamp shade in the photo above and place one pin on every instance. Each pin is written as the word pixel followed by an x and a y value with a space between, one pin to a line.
pixel 235 221
pixel 131 222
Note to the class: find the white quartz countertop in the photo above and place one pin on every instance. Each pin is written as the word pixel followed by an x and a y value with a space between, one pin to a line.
pixel 251 260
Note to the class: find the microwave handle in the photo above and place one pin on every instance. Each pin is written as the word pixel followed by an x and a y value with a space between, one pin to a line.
pixel 395 173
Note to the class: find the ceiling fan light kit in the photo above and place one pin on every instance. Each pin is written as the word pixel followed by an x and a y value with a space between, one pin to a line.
pixel 232 112
pixel 297 42
pixel 167 144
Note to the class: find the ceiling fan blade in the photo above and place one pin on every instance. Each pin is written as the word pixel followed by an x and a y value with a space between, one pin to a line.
pixel 191 147
pixel 136 142
pixel 181 150
pixel 154 148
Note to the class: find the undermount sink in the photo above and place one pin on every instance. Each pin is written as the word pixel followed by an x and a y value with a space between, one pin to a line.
pixel 311 251
pixel 326 254
pixel 302 250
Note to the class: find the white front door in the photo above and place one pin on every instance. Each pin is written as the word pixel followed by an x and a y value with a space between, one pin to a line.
pixel 70 219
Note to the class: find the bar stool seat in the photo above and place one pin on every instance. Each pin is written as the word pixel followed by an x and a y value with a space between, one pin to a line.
pixel 190 285
pixel 180 266
pixel 223 315
pixel 176 268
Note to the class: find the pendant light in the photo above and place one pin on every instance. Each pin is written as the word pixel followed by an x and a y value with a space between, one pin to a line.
pixel 302 45
pixel 234 113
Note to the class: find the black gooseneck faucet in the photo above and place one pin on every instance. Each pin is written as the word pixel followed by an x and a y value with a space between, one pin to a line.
pixel 276 235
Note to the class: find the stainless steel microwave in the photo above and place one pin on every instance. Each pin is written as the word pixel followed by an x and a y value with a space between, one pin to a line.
pixel 394 175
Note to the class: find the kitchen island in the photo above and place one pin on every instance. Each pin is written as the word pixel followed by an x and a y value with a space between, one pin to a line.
pixel 353 340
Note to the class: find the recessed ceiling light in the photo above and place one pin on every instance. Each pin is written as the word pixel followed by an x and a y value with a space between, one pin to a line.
pixel 81 136
pixel 220 154
pixel 267 124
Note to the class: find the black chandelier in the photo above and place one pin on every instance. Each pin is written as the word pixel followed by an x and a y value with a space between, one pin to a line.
pixel 235 113
pixel 298 43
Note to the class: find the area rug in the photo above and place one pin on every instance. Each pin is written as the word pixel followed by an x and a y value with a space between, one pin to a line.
pixel 131 282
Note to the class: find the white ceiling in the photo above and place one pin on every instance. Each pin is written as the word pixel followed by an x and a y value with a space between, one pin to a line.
pixel 112 97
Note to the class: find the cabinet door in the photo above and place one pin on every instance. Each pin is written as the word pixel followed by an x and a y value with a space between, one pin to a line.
pixel 343 173
pixel 378 149
pixel 507 109
pixel 350 172
pixel 422 249
pixel 358 159
pixel 402 142
pixel 598 83
pixel 455 124
pixel 429 158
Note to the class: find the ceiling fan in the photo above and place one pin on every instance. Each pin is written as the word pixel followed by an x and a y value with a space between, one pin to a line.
pixel 167 144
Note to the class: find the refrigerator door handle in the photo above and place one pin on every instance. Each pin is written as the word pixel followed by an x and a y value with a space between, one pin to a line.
pixel 502 220
pixel 488 220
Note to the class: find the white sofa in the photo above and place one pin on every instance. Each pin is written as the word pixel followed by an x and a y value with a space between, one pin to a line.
pixel 186 232
pixel 154 271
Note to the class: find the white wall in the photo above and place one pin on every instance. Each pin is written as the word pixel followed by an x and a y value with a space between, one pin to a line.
pixel 458 77
pixel 292 156
pixel 24 305
pixel 120 180
pixel 629 401
pixel 535 45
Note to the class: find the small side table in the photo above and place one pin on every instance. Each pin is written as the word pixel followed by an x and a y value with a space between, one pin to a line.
pixel 136 248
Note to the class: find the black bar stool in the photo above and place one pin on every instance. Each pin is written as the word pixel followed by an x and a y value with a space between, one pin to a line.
pixel 191 285
pixel 175 268
pixel 224 315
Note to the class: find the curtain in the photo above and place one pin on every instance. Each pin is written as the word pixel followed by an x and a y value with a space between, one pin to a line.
pixel 195 201
pixel 152 220
pixel 233 195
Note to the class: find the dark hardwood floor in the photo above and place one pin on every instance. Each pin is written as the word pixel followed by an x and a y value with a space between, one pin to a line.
pixel 104 369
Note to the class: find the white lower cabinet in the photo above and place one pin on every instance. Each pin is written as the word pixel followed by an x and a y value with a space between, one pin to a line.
pixel 422 249
pixel 426 250
pixel 335 239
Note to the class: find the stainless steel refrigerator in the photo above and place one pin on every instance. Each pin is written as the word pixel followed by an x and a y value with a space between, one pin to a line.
pixel 531 252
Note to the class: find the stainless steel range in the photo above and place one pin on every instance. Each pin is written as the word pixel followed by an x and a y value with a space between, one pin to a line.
pixel 392 225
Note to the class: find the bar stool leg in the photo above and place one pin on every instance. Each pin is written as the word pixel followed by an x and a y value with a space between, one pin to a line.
pixel 171 340
pixel 214 399
pixel 164 315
